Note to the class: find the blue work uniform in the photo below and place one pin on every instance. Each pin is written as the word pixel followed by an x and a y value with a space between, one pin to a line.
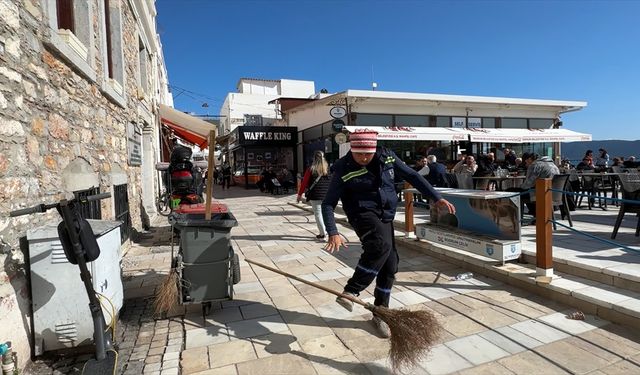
pixel 369 200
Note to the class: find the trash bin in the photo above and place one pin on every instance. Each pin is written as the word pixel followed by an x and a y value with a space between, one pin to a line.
pixel 206 256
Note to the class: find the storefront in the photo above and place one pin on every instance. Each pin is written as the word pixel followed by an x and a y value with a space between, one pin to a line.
pixel 254 148
pixel 444 125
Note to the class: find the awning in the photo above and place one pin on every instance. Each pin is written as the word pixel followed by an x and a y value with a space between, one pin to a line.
pixel 417 134
pixel 185 126
pixel 526 135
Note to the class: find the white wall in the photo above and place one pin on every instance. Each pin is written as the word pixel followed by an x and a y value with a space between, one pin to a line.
pixel 290 88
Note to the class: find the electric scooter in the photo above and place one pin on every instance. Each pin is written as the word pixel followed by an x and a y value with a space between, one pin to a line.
pixel 80 246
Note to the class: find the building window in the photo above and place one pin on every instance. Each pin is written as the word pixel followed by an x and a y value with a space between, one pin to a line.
pixel 89 210
pixel 121 202
pixel 538 123
pixel 112 51
pixel 363 119
pixel 488 122
pixel 143 67
pixel 514 123
pixel 71 33
pixel 411 121
pixel 443 121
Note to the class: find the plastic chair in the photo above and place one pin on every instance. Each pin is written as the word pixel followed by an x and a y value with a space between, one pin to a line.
pixel 465 180
pixel 630 186
pixel 451 180
pixel 559 198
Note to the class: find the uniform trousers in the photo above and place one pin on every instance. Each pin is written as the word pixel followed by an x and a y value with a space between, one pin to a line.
pixel 379 259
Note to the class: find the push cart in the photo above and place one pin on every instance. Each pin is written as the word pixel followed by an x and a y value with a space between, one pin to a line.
pixel 206 262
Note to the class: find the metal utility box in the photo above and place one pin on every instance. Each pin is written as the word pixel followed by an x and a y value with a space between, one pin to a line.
pixel 61 316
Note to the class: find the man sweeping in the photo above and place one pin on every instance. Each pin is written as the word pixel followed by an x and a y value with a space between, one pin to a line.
pixel 364 181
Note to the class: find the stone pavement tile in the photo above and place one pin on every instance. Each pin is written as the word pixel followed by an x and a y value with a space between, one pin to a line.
pixel 571 357
pixel 543 304
pixel 347 364
pixel 170 364
pixel 518 310
pixel 476 349
pixel 256 327
pixel 630 306
pixel 328 275
pixel 605 353
pixel 470 302
pixel 371 349
pixel 334 311
pixel 322 298
pixel 194 360
pixel 247 298
pixel 559 320
pixel 231 352
pixel 326 347
pixel 383 366
pixel 502 341
pixel 621 368
pixel 226 370
pixel 519 337
pixel 170 356
pixel 275 343
pixel 281 364
pixel 460 325
pixel 435 292
pixel 492 317
pixel 223 316
pixel 294 313
pixel 439 309
pixel 248 287
pixel 257 310
pixel 604 296
pixel 539 331
pixel 170 371
pixel 619 339
pixel 492 368
pixel 202 337
pixel 281 290
pixel 309 328
pixel 442 360
pixel 289 300
pixel 410 297
pixel 354 327
pixel 504 293
pixel 530 363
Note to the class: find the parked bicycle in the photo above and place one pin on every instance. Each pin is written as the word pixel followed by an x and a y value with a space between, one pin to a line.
pixel 80 247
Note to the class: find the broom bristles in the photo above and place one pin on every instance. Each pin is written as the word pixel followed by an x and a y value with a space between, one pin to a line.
pixel 167 294
pixel 413 333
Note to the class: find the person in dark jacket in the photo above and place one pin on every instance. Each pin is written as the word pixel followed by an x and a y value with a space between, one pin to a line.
pixel 437 172
pixel 316 179
pixel 226 175
pixel 363 181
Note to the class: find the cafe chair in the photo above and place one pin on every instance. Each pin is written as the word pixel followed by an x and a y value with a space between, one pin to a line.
pixel 277 187
pixel 588 186
pixel 630 187
pixel 451 180
pixel 465 180
pixel 559 198
pixel 616 169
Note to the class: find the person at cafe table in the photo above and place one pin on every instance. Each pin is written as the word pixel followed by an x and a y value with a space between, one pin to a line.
pixel 585 165
pixel 537 167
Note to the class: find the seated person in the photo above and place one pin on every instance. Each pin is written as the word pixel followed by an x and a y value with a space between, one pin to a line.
pixel 437 172
pixel 466 165
pixel 585 165
pixel 537 167
pixel 286 180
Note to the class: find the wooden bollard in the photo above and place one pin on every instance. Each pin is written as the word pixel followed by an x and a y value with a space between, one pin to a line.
pixel 409 228
pixel 544 235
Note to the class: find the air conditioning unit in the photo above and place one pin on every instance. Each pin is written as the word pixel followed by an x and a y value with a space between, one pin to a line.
pixel 74 43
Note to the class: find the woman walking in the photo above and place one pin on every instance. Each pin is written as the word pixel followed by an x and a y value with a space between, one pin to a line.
pixel 315 184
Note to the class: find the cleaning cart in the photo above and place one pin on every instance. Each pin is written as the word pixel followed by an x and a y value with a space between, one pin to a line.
pixel 206 262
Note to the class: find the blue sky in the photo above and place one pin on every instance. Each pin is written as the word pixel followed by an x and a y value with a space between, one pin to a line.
pixel 567 50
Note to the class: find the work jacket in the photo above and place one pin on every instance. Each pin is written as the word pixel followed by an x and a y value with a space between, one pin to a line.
pixel 370 188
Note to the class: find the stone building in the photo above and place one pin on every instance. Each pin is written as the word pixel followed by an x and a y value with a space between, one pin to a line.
pixel 80 84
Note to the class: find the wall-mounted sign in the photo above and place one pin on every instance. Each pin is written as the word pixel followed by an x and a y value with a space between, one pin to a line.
pixel 458 122
pixel 340 138
pixel 338 112
pixel 272 135
pixel 134 144
pixel 474 122
pixel 337 125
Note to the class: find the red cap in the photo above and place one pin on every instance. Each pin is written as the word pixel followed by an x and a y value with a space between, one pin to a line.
pixel 364 141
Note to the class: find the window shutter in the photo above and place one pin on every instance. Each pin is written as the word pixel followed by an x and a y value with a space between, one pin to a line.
pixel 65 14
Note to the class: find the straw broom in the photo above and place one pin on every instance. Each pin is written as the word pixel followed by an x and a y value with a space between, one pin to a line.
pixel 413 333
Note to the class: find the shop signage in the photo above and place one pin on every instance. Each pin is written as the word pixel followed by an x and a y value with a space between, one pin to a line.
pixel 499 250
pixel 267 135
pixel 340 138
pixel 337 125
pixel 458 122
pixel 337 112
pixel 474 122
pixel 134 142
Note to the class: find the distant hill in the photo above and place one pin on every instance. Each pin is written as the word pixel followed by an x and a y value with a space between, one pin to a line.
pixel 575 150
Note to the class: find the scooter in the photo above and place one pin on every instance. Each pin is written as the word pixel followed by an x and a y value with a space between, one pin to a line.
pixel 80 246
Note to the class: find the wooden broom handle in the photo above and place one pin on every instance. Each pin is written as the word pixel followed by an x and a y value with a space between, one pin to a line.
pixel 349 297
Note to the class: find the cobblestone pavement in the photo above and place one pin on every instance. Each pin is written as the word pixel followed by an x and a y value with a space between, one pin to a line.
pixel 278 326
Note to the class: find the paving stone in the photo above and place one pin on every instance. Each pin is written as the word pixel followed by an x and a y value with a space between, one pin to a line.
pixel 287 301
pixel 369 350
pixel 153 359
pixel 530 363
pixel 170 356
pixel 170 371
pixel 604 296
pixel 343 365
pixel 460 325
pixel 231 352
pixel 410 297
pixel 275 343
pixel 206 336
pixel 257 327
pixel 539 331
pixel 257 310
pixel 575 327
pixel 615 338
pixel 174 363
pixel 194 360
pixel 152 367
pixel 281 364
pixel 621 368
pixel 572 357
pixel 476 349
pixel 326 347
pixel 443 360
pixel 435 292
pixel 519 337
pixel 226 370
pixel 504 342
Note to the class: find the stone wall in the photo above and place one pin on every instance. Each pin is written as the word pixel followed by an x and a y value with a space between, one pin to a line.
pixel 53 118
